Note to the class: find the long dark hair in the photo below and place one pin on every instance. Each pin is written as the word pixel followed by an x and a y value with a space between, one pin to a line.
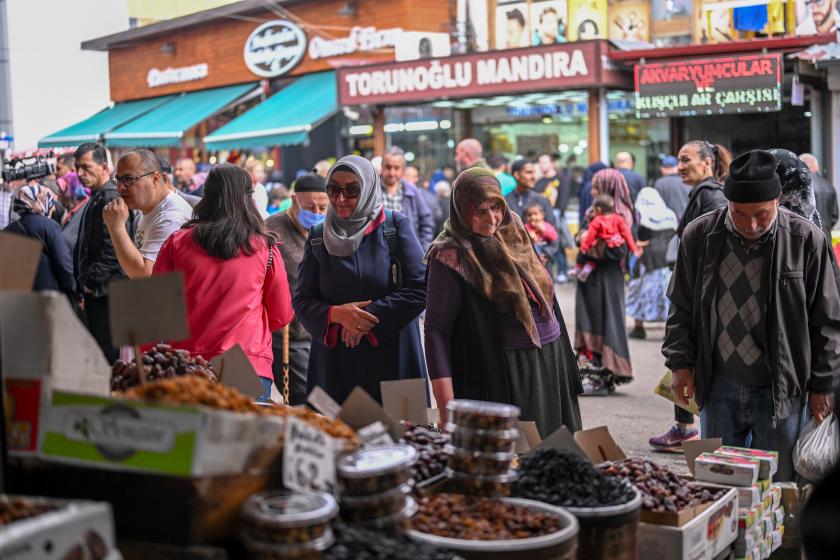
pixel 226 219
pixel 720 156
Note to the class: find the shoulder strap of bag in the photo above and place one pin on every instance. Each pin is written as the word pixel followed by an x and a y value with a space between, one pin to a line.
pixel 391 232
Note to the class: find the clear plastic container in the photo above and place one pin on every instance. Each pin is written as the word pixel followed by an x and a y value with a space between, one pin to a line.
pixel 482 485
pixel 259 550
pixel 482 415
pixel 285 517
pixel 355 509
pixel 476 462
pixel 397 521
pixel 487 441
pixel 376 470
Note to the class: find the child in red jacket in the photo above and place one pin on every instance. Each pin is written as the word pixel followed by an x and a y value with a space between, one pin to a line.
pixel 606 226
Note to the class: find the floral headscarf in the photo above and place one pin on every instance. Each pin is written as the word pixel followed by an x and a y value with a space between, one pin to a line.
pixel 34 199
pixel 797 185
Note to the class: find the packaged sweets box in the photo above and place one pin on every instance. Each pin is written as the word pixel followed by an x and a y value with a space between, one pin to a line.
pixel 734 471
pixel 768 460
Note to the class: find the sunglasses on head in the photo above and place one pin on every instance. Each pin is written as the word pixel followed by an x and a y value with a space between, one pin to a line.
pixel 350 192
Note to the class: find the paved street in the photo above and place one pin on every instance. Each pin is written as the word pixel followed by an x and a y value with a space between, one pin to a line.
pixel 633 413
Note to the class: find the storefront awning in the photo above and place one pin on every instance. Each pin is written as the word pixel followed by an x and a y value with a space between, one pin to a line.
pixel 166 125
pixel 106 120
pixel 284 119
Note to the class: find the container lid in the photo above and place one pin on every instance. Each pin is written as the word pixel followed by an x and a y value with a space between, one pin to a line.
pixel 511 434
pixel 286 509
pixel 379 523
pixel 503 478
pixel 295 550
pixel 477 455
pixel 484 408
pixel 375 499
pixel 377 461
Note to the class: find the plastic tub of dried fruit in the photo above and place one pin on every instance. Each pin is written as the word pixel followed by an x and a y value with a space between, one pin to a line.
pixel 609 532
pixel 560 545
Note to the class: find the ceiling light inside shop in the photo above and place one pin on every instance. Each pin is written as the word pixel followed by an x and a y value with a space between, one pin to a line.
pixel 808 114
pixel 269 163
pixel 443 104
pixel 394 127
pixel 583 144
pixel 564 148
pixel 212 160
pixel 409 156
pixel 578 150
pixel 547 119
pixel 417 126
pixel 363 130
pixel 445 124
pixel 450 143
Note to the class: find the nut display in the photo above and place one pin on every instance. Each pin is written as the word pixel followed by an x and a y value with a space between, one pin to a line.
pixel 488 441
pixel 662 490
pixel 356 509
pixel 482 485
pixel 481 415
pixel 195 391
pixel 332 427
pixel 429 442
pixel 476 462
pixel 464 517
pixel 286 517
pixel 162 362
pixel 355 543
pixel 375 470
pixel 561 477
pixel 15 509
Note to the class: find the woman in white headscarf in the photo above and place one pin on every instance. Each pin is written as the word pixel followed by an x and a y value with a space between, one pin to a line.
pixel 646 293
pixel 361 286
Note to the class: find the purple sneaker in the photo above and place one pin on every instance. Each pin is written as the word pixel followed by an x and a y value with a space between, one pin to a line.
pixel 673 438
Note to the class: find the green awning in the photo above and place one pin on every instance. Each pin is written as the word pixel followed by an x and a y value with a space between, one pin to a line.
pixel 166 125
pixel 284 119
pixel 106 120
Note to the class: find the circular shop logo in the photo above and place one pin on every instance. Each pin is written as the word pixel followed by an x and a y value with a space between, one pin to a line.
pixel 274 48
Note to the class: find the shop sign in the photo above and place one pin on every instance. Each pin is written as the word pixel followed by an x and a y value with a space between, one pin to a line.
pixel 709 86
pixel 360 39
pixel 491 73
pixel 157 77
pixel 570 109
pixel 274 48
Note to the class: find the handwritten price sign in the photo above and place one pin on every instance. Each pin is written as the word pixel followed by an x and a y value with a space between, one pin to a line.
pixel 308 458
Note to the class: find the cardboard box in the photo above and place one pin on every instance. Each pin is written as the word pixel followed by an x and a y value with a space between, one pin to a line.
pixel 778 536
pixel 775 491
pixel 768 460
pixel 735 471
pixel 133 435
pixel 710 533
pixel 747 518
pixel 76 530
pixel 748 496
pixel 45 348
pixel 779 517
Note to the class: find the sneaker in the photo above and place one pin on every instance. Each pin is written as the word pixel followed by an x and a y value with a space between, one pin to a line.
pixel 672 440
pixel 562 278
pixel 595 388
pixel 637 332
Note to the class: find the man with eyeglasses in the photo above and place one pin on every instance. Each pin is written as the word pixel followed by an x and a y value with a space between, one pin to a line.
pixel 94 258
pixel 141 186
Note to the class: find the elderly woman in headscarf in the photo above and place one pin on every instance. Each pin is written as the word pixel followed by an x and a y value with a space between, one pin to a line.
pixel 600 335
pixel 646 293
pixel 493 328
pixel 360 288
pixel 35 205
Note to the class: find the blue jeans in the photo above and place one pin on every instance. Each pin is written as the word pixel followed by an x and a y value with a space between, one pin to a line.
pixel 742 415
pixel 266 394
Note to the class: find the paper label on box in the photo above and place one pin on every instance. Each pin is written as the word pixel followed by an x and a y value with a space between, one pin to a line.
pixel 308 458
pixel 375 434
pixel 23 410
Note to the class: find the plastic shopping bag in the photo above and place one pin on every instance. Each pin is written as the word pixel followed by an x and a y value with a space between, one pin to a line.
pixel 663 389
pixel 816 450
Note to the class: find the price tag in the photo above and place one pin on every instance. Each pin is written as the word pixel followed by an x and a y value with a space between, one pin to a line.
pixel 308 458
pixel 375 434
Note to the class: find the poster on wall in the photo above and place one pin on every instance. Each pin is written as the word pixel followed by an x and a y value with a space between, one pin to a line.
pixel 669 10
pixel 718 26
pixel 630 21
pixel 477 19
pixel 587 19
pixel 817 16
pixel 549 22
pixel 512 25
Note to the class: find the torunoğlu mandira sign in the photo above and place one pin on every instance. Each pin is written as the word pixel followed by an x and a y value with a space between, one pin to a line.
pixel 709 86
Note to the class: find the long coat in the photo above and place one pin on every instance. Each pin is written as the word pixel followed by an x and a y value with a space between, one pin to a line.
pixel 324 280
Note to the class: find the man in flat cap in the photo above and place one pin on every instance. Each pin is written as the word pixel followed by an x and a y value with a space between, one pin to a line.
pixel 753 332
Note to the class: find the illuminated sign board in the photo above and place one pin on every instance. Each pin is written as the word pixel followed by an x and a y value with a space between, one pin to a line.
pixel 709 86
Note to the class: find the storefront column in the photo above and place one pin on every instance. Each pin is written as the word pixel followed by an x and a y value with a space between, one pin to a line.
pixel 599 126
pixel 831 164
pixel 378 131
pixel 817 123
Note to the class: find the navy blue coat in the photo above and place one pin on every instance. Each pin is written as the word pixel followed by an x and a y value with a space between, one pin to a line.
pixel 55 269
pixel 325 280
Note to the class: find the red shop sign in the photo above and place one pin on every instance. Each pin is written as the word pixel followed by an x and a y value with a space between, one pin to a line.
pixel 554 67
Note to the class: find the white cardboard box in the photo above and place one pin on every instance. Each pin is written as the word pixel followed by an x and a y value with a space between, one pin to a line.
pixel 704 537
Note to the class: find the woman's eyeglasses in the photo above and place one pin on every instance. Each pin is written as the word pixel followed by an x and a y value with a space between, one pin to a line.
pixel 350 192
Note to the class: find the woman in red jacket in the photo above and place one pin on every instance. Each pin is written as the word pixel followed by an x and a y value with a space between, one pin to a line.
pixel 234 279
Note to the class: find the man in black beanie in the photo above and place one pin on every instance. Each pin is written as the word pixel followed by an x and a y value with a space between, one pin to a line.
pixel 309 207
pixel 754 324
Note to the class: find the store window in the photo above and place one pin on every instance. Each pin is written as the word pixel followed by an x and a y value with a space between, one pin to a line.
pixel 647 139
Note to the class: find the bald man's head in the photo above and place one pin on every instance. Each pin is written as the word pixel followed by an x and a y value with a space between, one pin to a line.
pixel 467 153
pixel 811 161
pixel 184 171
pixel 624 160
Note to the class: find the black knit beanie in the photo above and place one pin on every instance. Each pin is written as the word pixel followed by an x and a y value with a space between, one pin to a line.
pixel 310 182
pixel 752 178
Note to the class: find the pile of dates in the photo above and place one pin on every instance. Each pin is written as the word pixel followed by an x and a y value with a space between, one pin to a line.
pixel 662 490
pixel 353 543
pixel 162 362
pixel 429 442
